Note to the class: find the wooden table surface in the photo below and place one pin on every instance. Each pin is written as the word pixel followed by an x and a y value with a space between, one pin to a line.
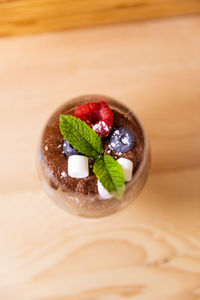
pixel 150 250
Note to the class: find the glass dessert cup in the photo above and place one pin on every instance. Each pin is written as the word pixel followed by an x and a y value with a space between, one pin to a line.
pixel 91 205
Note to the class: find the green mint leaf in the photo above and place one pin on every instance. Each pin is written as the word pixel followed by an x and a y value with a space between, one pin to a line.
pixel 111 175
pixel 81 136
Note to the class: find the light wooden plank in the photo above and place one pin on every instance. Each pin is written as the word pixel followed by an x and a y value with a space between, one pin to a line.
pixel 149 251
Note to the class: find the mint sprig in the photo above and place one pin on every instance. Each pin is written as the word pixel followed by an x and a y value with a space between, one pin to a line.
pixel 110 174
pixel 87 141
pixel 81 136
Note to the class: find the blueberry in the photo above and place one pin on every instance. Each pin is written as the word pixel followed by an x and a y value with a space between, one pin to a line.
pixel 121 140
pixel 68 149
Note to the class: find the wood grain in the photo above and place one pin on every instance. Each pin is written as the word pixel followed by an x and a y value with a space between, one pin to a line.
pixel 149 251
pixel 25 17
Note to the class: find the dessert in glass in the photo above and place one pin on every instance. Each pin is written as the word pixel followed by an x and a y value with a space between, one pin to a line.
pixel 94 156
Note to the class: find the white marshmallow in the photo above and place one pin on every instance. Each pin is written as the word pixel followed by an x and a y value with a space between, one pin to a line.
pixel 102 191
pixel 78 166
pixel 127 166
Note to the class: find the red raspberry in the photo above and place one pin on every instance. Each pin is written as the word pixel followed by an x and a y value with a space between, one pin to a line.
pixel 97 115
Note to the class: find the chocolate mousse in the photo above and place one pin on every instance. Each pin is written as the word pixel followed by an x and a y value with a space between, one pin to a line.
pixel 54 161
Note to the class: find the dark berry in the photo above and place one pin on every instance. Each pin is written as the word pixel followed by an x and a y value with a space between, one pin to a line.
pixel 97 115
pixel 122 140
pixel 68 149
